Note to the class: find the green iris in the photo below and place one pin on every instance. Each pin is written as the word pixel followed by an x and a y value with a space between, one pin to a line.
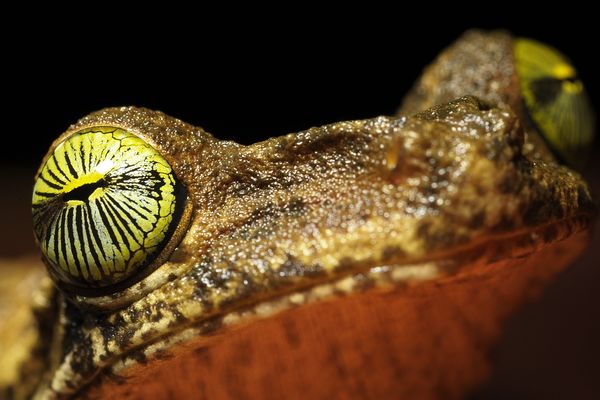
pixel 555 100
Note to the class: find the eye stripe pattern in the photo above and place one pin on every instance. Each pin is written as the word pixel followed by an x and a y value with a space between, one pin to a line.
pixel 555 99
pixel 104 204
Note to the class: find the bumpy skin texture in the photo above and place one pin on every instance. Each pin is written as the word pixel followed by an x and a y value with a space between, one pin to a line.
pixel 305 209
pixel 309 207
pixel 479 64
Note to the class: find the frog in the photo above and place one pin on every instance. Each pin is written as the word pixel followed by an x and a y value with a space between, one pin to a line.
pixel 367 258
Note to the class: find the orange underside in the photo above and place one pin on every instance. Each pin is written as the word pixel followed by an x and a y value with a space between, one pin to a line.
pixel 426 341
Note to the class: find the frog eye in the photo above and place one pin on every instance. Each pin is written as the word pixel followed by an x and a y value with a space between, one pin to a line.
pixel 555 99
pixel 105 207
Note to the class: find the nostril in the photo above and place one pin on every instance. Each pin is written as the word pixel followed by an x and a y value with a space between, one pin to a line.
pixel 400 164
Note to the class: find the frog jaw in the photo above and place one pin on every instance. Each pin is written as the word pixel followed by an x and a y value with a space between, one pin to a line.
pixel 396 240
pixel 509 265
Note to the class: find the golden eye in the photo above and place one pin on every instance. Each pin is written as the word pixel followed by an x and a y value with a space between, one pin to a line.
pixel 105 204
pixel 555 99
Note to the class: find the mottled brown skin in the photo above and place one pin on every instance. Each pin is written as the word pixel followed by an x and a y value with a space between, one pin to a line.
pixel 480 64
pixel 343 213
pixel 423 341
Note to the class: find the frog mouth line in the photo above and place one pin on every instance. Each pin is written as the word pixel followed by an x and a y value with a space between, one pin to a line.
pixel 488 252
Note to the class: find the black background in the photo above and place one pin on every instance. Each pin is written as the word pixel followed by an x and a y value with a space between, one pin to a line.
pixel 246 79
pixel 246 82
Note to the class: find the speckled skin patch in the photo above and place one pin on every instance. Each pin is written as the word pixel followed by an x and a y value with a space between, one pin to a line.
pixel 479 64
pixel 319 213
pixel 294 211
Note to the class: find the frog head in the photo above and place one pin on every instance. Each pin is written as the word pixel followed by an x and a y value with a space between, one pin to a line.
pixel 159 237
